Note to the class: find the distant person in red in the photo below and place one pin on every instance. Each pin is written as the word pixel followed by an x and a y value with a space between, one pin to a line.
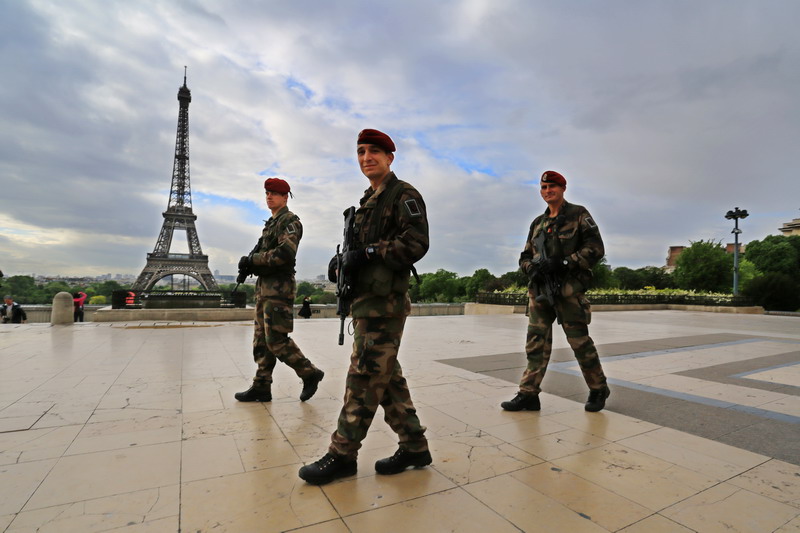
pixel 130 299
pixel 78 300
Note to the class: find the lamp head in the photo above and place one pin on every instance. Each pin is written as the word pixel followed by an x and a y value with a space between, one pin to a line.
pixel 736 213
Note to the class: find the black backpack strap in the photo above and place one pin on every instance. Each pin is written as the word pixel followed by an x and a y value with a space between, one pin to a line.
pixel 389 197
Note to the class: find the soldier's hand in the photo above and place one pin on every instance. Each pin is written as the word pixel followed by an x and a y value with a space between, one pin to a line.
pixel 352 260
pixel 534 274
pixel 332 266
pixel 551 265
pixel 244 263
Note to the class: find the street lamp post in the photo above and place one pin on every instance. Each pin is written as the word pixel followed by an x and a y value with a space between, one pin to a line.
pixel 735 215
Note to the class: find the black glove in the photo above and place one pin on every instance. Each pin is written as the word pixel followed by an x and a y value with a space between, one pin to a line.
pixel 245 263
pixel 332 266
pixel 551 265
pixel 352 260
pixel 533 272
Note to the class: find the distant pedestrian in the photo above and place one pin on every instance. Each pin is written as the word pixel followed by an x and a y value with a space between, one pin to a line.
pixel 78 300
pixel 273 261
pixel 562 247
pixel 12 312
pixel 305 311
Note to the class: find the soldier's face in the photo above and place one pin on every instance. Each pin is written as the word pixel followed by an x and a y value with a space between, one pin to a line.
pixel 552 193
pixel 374 161
pixel 276 200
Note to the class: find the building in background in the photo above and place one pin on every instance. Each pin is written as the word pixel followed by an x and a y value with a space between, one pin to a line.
pixel 791 228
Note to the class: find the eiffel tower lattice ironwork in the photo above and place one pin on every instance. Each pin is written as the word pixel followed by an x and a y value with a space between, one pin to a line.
pixel 178 216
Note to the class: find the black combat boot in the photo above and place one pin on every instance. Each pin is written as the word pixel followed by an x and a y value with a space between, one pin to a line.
pixel 258 392
pixel 526 402
pixel 310 384
pixel 401 460
pixel 597 399
pixel 330 467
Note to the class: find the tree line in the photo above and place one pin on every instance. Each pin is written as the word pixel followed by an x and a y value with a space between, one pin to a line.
pixel 25 290
pixel 769 275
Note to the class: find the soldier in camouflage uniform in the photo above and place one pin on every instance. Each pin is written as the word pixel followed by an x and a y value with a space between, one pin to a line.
pixel 391 229
pixel 273 260
pixel 572 247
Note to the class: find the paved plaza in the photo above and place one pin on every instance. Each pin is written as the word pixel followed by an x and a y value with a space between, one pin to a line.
pixel 132 427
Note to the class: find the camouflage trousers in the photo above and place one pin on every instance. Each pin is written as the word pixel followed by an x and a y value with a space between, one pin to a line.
pixel 375 378
pixel 271 341
pixel 575 313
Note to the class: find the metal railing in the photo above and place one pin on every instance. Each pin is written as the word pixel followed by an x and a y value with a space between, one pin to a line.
pixel 502 298
pixel 674 299
pixel 126 299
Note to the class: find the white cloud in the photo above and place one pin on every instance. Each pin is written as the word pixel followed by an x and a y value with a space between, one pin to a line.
pixel 662 115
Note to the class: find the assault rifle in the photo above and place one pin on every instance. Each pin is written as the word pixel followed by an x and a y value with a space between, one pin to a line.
pixel 245 272
pixel 345 281
pixel 549 284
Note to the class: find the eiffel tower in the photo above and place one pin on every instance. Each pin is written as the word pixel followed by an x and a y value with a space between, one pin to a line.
pixel 178 216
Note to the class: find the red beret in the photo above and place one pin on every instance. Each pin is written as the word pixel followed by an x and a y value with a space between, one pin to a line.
pixel 276 185
pixel 378 138
pixel 551 176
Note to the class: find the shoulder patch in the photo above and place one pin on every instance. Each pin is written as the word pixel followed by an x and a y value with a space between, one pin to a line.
pixel 590 222
pixel 290 228
pixel 413 207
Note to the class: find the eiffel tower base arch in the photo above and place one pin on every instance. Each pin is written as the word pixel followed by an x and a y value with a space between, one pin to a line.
pixel 158 268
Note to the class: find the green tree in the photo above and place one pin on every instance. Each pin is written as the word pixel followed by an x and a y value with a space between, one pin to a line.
pixel 656 277
pixel 774 291
pixel 776 253
pixel 22 288
pixel 479 281
pixel 52 288
pixel 105 288
pixel 747 273
pixel 628 278
pixel 705 266
pixel 249 290
pixel 441 286
pixel 602 276
pixel 322 297
pixel 513 278
pixel 304 289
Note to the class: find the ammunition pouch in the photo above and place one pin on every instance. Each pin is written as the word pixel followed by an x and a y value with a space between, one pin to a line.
pixel 585 277
pixel 375 277
pixel 264 271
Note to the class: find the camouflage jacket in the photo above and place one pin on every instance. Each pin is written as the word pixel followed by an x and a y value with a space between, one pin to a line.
pixel 400 234
pixel 274 256
pixel 578 241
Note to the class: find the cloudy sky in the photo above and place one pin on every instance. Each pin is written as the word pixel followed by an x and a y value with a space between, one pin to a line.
pixel 663 115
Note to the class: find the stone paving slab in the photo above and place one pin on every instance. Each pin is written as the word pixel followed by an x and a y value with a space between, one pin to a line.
pixel 746 427
pixel 133 427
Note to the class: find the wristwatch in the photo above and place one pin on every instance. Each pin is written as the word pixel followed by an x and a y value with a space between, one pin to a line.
pixel 371 251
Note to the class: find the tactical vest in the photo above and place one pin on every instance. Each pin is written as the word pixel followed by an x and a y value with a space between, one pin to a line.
pixel 269 241
pixel 375 277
